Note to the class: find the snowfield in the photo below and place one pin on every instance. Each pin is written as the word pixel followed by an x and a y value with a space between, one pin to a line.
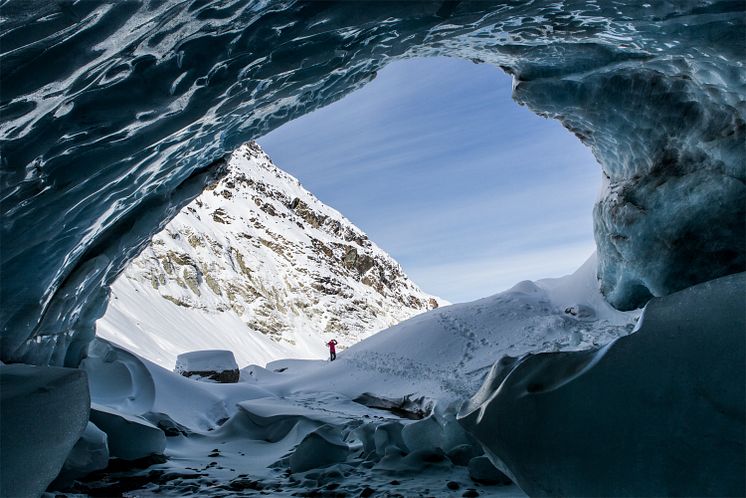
pixel 294 425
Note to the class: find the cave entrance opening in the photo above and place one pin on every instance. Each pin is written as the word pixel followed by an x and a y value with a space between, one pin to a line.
pixel 469 191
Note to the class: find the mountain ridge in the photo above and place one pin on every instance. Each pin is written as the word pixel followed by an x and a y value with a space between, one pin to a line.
pixel 259 246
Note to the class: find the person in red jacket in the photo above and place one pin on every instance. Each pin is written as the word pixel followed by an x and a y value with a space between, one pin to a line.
pixel 332 349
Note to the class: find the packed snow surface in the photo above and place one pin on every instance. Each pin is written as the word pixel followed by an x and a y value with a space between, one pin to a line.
pixel 116 115
pixel 294 425
pixel 259 265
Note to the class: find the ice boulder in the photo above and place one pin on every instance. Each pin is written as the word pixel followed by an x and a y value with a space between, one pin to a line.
pixel 130 437
pixel 321 448
pixel 215 364
pixel 661 412
pixel 89 454
pixel 43 412
pixel 425 434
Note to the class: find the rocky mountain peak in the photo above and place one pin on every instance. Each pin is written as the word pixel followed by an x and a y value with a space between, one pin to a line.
pixel 259 246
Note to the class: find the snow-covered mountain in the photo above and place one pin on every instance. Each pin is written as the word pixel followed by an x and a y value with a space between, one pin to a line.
pixel 258 265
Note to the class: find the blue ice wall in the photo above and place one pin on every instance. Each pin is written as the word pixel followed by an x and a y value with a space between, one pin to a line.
pixel 114 115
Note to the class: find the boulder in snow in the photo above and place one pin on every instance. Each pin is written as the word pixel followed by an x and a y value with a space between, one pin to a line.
pixel 215 364
pixel 661 412
pixel 43 412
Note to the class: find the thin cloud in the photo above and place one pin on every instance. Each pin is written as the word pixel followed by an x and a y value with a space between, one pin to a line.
pixel 443 170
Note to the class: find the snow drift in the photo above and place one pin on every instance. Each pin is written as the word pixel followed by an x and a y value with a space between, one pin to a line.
pixel 117 115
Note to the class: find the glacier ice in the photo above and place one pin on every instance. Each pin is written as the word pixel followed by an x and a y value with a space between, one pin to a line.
pixel 660 412
pixel 116 115
pixel 43 412
pixel 129 437
pixel 89 454
pixel 320 448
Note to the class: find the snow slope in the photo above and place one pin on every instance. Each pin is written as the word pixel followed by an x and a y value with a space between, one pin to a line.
pixel 295 411
pixel 257 265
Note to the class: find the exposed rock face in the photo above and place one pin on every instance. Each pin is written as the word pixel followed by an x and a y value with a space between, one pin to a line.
pixel 113 116
pixel 259 246
pixel 661 412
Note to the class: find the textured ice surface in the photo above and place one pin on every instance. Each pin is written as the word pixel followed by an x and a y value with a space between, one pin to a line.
pixel 114 116
pixel 661 412
pixel 43 412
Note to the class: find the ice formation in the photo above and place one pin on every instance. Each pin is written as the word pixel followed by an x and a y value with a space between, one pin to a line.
pixel 657 413
pixel 116 115
pixel 43 412
pixel 89 454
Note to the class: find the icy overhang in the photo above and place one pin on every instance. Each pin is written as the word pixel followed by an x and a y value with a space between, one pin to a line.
pixel 114 115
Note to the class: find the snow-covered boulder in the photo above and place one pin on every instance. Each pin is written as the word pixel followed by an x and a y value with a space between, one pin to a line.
pixel 43 412
pixel 660 412
pixel 215 364
pixel 129 437
pixel 89 454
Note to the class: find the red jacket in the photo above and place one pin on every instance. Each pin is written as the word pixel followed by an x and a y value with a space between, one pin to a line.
pixel 331 345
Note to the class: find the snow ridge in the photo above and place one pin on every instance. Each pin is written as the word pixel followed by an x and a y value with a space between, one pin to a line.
pixel 258 257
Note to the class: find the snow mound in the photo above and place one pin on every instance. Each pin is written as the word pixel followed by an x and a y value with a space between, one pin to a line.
pixel 657 413
pixel 43 412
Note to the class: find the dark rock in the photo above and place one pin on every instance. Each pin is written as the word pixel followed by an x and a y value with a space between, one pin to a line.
pixel 241 484
pixel 461 454
pixel 453 485
pixel 406 407
pixel 482 470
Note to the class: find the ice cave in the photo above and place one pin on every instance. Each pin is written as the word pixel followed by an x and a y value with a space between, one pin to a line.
pixel 116 115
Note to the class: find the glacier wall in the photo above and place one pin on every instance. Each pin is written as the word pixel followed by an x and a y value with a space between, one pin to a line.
pixel 115 115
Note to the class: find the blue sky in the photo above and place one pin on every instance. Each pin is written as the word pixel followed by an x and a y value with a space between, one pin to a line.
pixel 470 192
